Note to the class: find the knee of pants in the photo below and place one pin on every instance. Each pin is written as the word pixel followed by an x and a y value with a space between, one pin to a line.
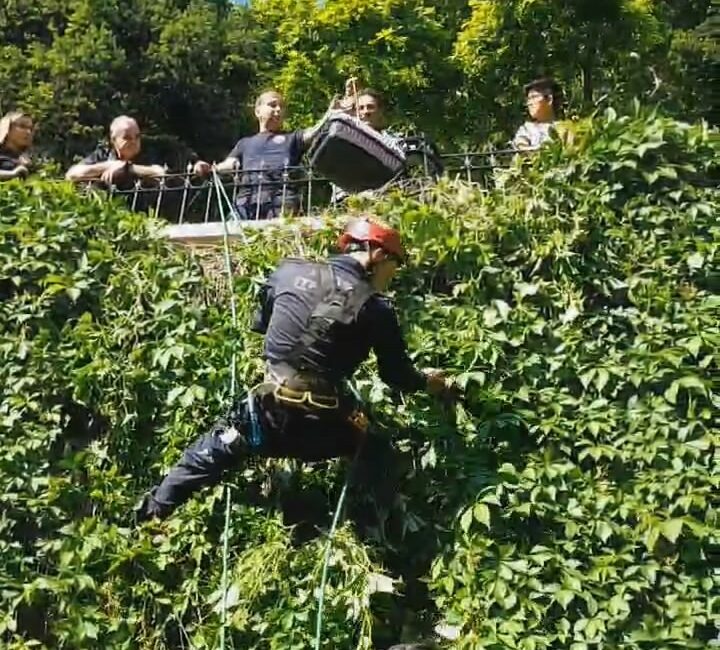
pixel 220 447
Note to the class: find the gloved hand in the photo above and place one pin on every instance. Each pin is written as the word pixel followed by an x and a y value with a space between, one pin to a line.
pixel 439 385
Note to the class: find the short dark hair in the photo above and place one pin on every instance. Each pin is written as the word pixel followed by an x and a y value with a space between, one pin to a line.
pixel 374 94
pixel 268 91
pixel 546 86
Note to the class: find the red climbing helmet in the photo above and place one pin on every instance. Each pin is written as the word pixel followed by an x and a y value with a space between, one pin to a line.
pixel 367 230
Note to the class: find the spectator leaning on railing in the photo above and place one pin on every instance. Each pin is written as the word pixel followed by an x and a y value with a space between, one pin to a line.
pixel 266 192
pixel 16 138
pixel 118 163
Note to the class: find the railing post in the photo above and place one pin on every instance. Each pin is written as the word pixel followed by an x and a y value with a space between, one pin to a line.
pixel 210 186
pixel 259 191
pixel 136 187
pixel 310 174
pixel 161 191
pixel 285 177
pixel 236 183
pixel 186 188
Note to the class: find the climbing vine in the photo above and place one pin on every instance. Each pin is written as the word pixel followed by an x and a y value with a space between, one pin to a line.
pixel 567 502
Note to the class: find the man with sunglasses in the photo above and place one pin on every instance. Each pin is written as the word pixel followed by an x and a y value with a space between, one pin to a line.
pixel 321 320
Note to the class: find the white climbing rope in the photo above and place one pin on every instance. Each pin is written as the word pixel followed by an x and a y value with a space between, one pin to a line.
pixel 219 189
pixel 223 202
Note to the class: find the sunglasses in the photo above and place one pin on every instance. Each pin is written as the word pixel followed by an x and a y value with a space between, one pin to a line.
pixel 395 258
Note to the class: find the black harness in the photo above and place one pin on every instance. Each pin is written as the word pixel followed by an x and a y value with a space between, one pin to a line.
pixel 334 302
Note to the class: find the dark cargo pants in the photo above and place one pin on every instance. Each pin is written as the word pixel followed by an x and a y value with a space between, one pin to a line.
pixel 287 432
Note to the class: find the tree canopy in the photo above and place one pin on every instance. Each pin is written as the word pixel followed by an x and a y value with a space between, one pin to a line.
pixel 189 69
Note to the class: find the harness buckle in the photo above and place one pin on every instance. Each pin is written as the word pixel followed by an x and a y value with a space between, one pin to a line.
pixel 299 398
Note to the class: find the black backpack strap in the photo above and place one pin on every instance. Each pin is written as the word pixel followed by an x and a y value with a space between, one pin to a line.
pixel 341 303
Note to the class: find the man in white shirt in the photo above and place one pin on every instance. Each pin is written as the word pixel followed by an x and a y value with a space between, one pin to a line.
pixel 544 103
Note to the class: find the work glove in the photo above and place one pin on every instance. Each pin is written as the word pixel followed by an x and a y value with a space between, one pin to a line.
pixel 441 386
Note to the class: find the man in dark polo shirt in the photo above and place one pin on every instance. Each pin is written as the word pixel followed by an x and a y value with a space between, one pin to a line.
pixel 118 163
pixel 267 159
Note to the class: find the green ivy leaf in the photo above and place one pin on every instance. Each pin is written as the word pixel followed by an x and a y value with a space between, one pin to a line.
pixel 482 514
pixel 671 529
pixel 564 597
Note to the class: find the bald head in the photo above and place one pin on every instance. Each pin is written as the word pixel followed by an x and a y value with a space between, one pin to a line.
pixel 121 123
pixel 125 137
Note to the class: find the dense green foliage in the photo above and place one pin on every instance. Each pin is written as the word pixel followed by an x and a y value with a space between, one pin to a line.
pixel 178 66
pixel 599 282
pixel 567 504
pixel 189 69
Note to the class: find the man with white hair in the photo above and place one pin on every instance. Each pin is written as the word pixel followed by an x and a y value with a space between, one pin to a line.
pixel 116 164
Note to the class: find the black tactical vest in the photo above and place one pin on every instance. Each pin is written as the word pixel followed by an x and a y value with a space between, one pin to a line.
pixel 323 302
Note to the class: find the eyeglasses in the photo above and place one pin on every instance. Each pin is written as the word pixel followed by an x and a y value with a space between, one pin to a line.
pixel 531 99
pixel 24 126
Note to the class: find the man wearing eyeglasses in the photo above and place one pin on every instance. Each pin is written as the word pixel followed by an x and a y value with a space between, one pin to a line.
pixel 321 320
pixel 543 98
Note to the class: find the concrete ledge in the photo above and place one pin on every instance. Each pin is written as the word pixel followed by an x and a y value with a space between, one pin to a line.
pixel 212 232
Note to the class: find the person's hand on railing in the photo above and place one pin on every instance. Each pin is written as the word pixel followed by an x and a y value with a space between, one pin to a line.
pixel 115 171
pixel 202 168
pixel 20 172
pixel 227 166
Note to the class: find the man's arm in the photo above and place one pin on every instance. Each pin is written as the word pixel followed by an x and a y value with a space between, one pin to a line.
pixel 147 171
pixel 203 168
pixel 84 171
pixel 266 296
pixel 231 163
pixel 395 366
pixel 309 134
pixel 9 174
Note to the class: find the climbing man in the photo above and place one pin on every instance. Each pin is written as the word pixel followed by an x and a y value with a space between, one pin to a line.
pixel 320 321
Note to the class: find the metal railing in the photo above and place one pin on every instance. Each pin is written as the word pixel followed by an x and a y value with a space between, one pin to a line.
pixel 259 194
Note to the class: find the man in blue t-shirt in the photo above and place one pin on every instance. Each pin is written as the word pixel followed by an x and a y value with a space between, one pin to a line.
pixel 267 159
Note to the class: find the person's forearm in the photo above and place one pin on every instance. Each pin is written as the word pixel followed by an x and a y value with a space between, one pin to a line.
pixel 403 376
pixel 227 165
pixel 147 171
pixel 7 175
pixel 311 133
pixel 83 172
